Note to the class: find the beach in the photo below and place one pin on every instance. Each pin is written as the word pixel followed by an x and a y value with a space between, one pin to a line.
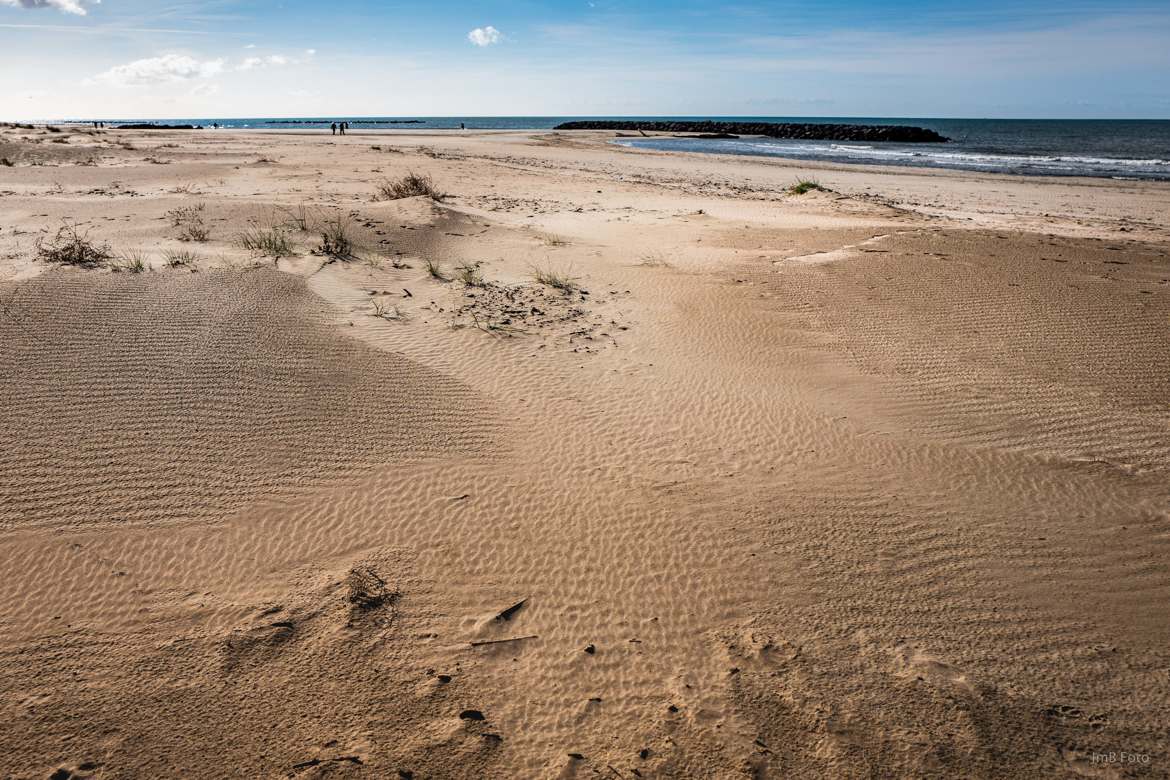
pixel 595 461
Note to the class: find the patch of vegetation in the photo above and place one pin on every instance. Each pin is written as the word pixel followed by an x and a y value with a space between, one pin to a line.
pixel 336 239
pixel 365 589
pixel 189 220
pixel 653 260
pixel 558 280
pixel 6 162
pixel 133 262
pixel 269 241
pixel 802 186
pixel 71 247
pixel 435 270
pixel 181 258
pixel 387 311
pixel 409 186
pixel 469 274
pixel 297 217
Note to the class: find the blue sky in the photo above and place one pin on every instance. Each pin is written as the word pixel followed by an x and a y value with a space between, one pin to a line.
pixel 153 58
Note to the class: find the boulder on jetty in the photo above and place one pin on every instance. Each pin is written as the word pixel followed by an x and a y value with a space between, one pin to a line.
pixel 149 126
pixel 811 131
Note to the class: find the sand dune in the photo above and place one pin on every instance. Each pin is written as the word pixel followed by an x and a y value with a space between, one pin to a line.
pixel 840 485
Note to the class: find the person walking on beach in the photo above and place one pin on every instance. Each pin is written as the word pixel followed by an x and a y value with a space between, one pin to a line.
pixel 344 127
pixel 333 127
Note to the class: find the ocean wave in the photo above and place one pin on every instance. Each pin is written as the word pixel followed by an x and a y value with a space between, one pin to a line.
pixel 939 157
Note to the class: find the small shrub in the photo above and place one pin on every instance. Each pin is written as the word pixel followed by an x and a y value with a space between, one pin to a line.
pixel 6 162
pixel 556 279
pixel 802 186
pixel 70 247
pixel 409 186
pixel 270 241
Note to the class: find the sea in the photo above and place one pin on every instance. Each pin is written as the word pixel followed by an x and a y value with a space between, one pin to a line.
pixel 1118 149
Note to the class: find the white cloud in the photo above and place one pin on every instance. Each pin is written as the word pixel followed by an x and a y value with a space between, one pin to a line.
pixel 273 60
pixel 67 6
pixel 485 36
pixel 160 70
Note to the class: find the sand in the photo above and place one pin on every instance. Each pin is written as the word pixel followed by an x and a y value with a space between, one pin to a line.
pixel 862 483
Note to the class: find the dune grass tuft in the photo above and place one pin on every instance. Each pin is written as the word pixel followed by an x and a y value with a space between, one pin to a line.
pixel 558 280
pixel 803 186
pixel 409 186
pixel 133 262
pixel 435 270
pixel 270 241
pixel 336 237
pixel 181 258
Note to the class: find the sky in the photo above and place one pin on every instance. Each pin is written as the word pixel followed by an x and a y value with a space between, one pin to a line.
pixel 889 58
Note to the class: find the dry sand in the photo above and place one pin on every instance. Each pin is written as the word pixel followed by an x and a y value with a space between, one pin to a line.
pixel 869 483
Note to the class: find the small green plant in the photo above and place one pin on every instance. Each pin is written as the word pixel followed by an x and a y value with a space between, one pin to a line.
pixel 409 186
pixel 802 186
pixel 336 240
pixel 469 274
pixel 435 270
pixel 133 262
pixel 269 241
pixel 180 258
pixel 71 247
pixel 558 280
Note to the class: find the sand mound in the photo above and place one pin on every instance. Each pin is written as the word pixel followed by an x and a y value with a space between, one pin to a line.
pixel 166 398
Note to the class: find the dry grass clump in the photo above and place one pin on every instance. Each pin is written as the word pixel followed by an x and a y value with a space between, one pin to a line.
pixel 365 589
pixel 802 186
pixel 269 241
pixel 548 239
pixel 435 270
pixel 387 311
pixel 558 280
pixel 133 262
pixel 189 220
pixel 297 217
pixel 71 247
pixel 180 258
pixel 653 260
pixel 469 274
pixel 6 162
pixel 336 237
pixel 409 186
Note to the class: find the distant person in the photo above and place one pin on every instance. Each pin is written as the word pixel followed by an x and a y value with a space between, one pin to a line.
pixel 462 126
pixel 333 127
pixel 344 127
